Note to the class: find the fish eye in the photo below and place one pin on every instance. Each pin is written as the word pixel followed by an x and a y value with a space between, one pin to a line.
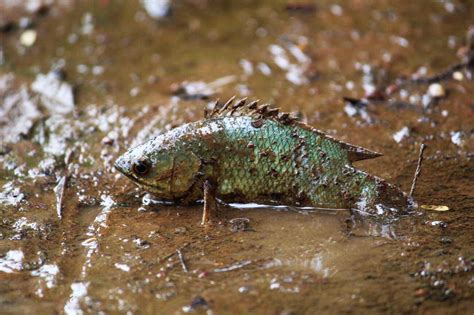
pixel 141 168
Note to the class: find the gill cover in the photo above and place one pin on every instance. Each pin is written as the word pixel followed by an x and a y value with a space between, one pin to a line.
pixel 184 171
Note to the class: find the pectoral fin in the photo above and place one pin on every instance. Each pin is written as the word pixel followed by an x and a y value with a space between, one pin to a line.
pixel 210 203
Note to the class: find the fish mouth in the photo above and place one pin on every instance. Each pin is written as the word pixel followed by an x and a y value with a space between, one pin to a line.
pixel 139 182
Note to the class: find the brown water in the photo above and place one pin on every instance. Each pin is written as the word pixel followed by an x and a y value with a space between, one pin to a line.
pixel 109 251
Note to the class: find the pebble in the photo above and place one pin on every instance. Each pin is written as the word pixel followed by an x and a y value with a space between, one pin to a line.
pixel 446 240
pixel 401 134
pixel 436 90
pixel 456 138
pixel 58 96
pixel 244 289
pixel 157 9
pixel 180 230
pixel 197 303
pixel 25 22
pixel 458 76
pixel 28 38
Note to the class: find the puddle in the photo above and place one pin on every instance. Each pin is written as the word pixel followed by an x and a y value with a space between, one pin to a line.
pixel 77 237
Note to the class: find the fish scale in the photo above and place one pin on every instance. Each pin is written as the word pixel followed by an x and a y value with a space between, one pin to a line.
pixel 275 160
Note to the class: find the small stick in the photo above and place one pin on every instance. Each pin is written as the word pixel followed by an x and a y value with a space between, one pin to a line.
pixel 181 260
pixel 418 169
pixel 174 253
pixel 445 75
pixel 234 266
pixel 60 188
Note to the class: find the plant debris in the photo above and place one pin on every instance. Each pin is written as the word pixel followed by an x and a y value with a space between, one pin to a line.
pixel 418 169
pixel 234 266
pixel 435 208
pixel 59 191
pixel 182 261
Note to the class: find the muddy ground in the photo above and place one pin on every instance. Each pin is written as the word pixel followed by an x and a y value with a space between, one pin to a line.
pixel 80 82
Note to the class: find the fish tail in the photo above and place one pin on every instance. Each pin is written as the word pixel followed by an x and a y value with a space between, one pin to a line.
pixel 377 196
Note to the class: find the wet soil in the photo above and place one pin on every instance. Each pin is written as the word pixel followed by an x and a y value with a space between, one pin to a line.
pixel 110 248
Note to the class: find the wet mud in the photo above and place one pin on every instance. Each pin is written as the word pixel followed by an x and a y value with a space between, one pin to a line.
pixel 81 82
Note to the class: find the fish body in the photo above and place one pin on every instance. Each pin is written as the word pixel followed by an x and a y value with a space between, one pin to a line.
pixel 255 154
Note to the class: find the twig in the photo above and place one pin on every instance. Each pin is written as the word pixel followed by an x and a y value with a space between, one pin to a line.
pixel 61 186
pixel 174 253
pixel 445 75
pixel 333 211
pixel 234 266
pixel 418 169
pixel 181 260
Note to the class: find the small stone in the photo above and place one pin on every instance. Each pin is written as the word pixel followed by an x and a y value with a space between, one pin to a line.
pixel 180 230
pixel 197 303
pixel 244 289
pixel 107 141
pixel 456 138
pixel 421 293
pixel 436 90
pixel 157 9
pixel 376 95
pixel 28 38
pixel 446 240
pixel 458 76
pixel 25 22
pixel 401 134
pixel 57 95
pixel 239 225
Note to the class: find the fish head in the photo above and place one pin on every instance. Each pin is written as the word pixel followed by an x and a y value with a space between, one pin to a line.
pixel 167 171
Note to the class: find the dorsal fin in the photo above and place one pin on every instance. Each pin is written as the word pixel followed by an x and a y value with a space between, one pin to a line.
pixel 242 108
pixel 252 109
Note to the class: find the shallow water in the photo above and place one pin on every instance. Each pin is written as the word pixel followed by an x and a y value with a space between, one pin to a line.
pixel 110 248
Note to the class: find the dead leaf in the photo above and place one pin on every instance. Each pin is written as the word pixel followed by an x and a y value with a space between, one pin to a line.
pixel 439 208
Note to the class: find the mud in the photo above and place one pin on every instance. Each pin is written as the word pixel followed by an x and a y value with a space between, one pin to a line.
pixel 114 249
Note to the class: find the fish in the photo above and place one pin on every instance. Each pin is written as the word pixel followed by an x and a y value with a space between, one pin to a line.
pixel 245 152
